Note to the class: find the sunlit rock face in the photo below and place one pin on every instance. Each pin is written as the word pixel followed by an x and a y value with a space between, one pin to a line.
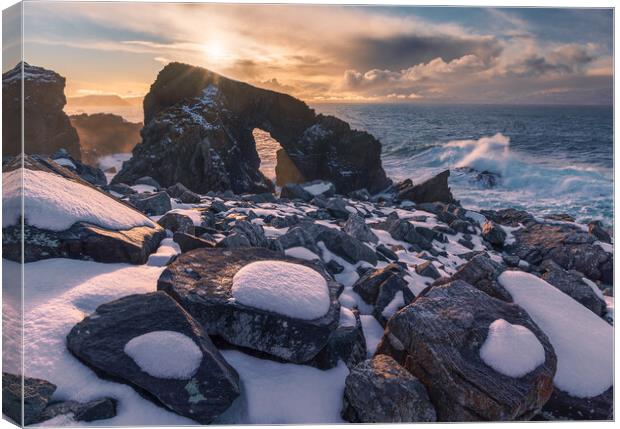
pixel 198 131
pixel 47 127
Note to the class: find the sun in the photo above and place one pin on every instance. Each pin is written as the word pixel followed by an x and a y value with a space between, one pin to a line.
pixel 214 50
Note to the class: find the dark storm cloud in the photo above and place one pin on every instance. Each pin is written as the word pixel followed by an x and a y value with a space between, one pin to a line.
pixel 402 51
pixel 567 60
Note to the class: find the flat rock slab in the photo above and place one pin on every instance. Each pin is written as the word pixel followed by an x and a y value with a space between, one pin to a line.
pixel 83 241
pixel 438 339
pixel 99 341
pixel 201 281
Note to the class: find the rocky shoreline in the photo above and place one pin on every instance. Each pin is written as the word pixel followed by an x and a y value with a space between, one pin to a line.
pixel 417 303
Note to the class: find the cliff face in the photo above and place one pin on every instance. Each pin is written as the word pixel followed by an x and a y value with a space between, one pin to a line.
pixel 46 126
pixel 198 131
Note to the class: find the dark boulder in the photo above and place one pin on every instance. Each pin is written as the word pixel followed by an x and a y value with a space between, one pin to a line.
pixel 571 283
pixel 189 242
pixel 181 193
pixel 198 131
pixel 356 227
pixel 99 409
pixel 294 191
pixel 482 273
pixel 33 393
pixel 336 207
pixel 438 339
pixel 148 181
pixel 151 204
pixel 347 343
pixel 177 222
pixel 201 281
pixel 493 233
pixel 92 175
pixel 428 269
pixel 379 390
pixel 596 229
pixel 566 245
pixel 46 126
pixel 432 190
pixel 371 283
pixel 99 341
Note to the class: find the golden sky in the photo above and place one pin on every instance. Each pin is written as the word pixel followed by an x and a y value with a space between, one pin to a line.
pixel 332 53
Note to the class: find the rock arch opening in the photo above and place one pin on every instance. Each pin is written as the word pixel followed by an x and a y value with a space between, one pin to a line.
pixel 275 163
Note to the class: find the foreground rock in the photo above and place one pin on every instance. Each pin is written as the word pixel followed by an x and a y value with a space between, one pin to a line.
pixel 83 239
pixel 433 190
pixel 202 282
pixel 210 146
pixel 46 125
pixel 34 393
pixel 200 389
pixel 379 390
pixel 438 339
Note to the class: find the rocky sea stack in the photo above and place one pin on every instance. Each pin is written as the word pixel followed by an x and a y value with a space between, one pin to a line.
pixel 198 131
pixel 48 128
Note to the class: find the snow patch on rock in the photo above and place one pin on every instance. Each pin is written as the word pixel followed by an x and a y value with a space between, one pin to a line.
pixel 282 287
pixel 512 350
pixel 165 354
pixel 55 203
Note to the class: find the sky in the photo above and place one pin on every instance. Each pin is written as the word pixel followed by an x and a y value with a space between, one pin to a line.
pixel 333 53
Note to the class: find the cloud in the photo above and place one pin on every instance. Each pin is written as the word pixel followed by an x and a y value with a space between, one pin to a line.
pixel 566 59
pixel 401 51
pixel 434 70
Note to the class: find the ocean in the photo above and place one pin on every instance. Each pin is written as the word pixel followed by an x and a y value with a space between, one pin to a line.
pixel 551 159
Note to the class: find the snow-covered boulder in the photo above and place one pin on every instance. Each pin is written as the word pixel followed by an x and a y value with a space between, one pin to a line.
pixel 379 390
pixel 440 339
pixel 582 340
pixel 257 299
pixel 66 217
pixel 151 343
